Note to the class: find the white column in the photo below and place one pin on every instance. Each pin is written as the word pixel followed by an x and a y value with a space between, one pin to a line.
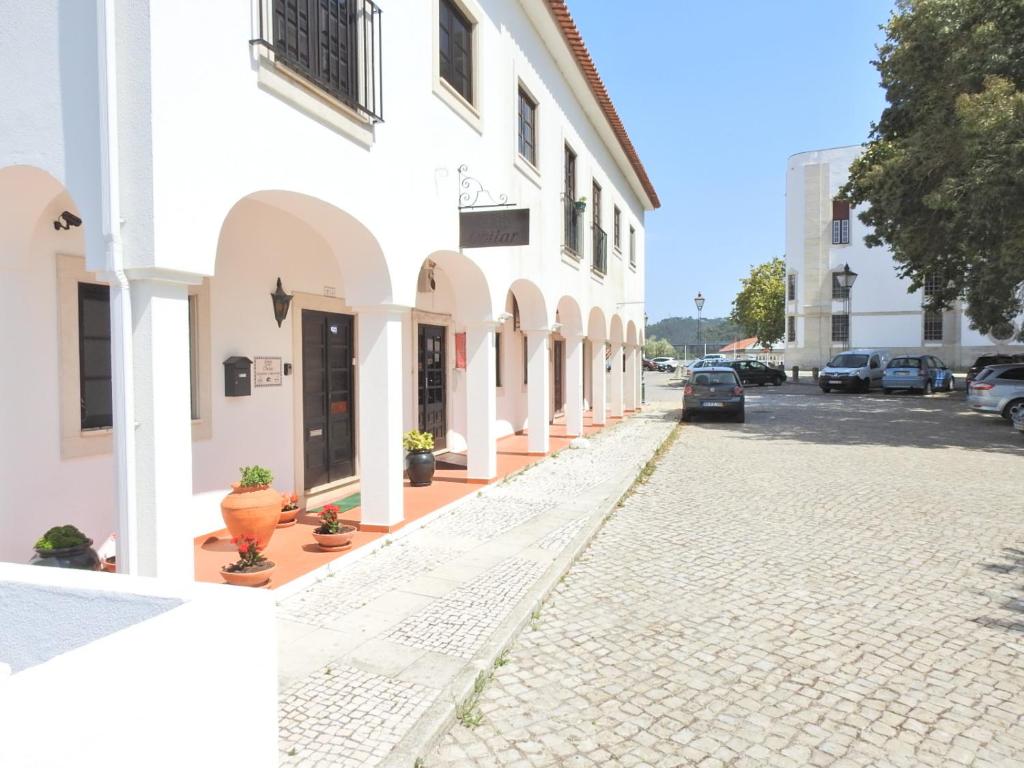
pixel 163 542
pixel 538 392
pixel 615 381
pixel 481 406
pixel 574 385
pixel 598 404
pixel 632 377
pixel 379 408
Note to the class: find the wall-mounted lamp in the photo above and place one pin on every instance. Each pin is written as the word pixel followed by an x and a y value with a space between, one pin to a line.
pixel 426 282
pixel 504 317
pixel 281 301
pixel 67 220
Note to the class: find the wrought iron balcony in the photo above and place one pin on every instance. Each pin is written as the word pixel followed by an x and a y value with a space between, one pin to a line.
pixel 571 237
pixel 600 251
pixel 333 44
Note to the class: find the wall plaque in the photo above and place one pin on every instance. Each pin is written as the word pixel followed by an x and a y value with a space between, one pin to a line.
pixel 490 229
pixel 267 371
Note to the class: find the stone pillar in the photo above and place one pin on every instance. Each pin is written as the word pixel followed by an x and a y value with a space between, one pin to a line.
pixel 598 404
pixel 379 408
pixel 538 392
pixel 163 535
pixel 481 406
pixel 574 385
pixel 615 383
pixel 632 376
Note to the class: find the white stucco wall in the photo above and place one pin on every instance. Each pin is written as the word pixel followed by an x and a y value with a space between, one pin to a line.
pixel 204 665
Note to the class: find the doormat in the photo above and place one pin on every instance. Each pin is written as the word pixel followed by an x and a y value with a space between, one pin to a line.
pixel 343 505
pixel 450 461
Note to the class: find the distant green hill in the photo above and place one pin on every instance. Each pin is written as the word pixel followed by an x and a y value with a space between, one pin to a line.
pixel 683 330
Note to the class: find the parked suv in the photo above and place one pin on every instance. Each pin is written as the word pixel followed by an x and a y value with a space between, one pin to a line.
pixel 855 370
pixel 756 372
pixel 714 390
pixel 998 389
pixel 986 360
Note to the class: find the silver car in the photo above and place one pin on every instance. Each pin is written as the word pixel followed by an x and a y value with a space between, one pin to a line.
pixel 998 389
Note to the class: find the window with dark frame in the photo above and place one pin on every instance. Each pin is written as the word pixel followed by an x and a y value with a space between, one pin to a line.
pixel 791 286
pixel 932 285
pixel 838 292
pixel 456 49
pixel 497 359
pixel 933 325
pixel 840 222
pixel 572 218
pixel 791 328
pixel 527 127
pixel 841 328
pixel 97 409
pixel 617 228
pixel 632 247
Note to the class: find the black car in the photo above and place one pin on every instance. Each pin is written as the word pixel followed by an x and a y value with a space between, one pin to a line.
pixel 714 390
pixel 986 360
pixel 754 372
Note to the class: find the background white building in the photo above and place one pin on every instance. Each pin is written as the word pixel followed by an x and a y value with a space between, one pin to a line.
pixel 211 149
pixel 822 236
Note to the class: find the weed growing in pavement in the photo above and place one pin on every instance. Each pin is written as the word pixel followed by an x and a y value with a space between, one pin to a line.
pixel 418 763
pixel 328 671
pixel 502 659
pixel 648 469
pixel 292 752
pixel 468 712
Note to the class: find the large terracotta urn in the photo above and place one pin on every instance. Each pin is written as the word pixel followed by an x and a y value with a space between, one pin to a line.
pixel 252 510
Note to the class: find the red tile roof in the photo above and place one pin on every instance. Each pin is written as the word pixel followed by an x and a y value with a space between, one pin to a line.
pixel 742 344
pixel 586 64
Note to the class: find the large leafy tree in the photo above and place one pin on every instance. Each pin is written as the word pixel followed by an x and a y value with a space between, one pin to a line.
pixel 759 309
pixel 655 347
pixel 942 175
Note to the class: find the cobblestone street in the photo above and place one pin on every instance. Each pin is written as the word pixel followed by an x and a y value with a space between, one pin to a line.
pixel 838 582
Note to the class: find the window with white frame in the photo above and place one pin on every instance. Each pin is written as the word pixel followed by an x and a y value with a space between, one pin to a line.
pixel 932 325
pixel 838 291
pixel 632 247
pixel 840 328
pixel 617 228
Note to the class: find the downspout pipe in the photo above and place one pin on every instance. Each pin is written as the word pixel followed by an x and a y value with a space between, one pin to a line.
pixel 123 394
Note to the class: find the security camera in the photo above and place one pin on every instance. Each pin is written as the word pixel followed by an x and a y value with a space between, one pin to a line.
pixel 67 220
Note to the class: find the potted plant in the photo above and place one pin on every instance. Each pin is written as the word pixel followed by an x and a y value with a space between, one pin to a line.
pixel 289 510
pixel 332 535
pixel 419 460
pixel 64 546
pixel 251 569
pixel 252 508
pixel 581 205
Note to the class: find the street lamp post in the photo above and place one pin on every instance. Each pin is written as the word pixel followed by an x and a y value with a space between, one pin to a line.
pixel 643 372
pixel 846 279
pixel 699 301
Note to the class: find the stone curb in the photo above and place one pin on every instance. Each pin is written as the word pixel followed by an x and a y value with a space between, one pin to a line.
pixel 420 740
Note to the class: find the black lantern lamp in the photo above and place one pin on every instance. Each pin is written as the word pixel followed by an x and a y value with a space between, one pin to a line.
pixel 846 278
pixel 699 301
pixel 281 301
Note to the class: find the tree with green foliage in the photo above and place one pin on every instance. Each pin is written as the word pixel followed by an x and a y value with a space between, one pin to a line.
pixel 655 347
pixel 943 173
pixel 759 309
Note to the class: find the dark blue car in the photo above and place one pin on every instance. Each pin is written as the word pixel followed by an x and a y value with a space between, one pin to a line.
pixel 922 373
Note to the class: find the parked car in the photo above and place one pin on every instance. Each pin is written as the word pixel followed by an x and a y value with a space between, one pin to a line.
pixel 855 370
pixel 1018 420
pixel 714 390
pixel 998 389
pixel 648 365
pixel 756 372
pixel 986 360
pixel 925 373
pixel 699 365
pixel 665 363
pixel 713 356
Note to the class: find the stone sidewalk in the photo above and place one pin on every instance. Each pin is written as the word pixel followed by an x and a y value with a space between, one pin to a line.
pixel 374 659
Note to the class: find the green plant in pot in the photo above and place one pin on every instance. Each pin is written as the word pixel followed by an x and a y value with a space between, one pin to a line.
pixel 252 508
pixel 581 205
pixel 64 546
pixel 419 460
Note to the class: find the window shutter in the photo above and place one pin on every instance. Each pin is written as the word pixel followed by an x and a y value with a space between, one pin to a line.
pixel 840 210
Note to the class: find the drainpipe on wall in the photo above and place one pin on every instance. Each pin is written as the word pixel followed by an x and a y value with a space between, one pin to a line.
pixel 122 379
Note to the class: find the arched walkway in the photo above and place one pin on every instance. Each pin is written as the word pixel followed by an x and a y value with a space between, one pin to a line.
pixel 570 318
pixel 535 325
pixel 616 361
pixel 597 336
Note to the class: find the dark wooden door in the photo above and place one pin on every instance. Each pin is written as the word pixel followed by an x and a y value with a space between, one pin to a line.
pixel 433 391
pixel 557 375
pixel 328 397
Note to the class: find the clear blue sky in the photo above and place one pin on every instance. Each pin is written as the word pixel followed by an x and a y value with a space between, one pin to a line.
pixel 716 95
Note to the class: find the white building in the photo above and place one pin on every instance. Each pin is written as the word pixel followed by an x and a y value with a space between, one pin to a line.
pixel 822 236
pixel 212 149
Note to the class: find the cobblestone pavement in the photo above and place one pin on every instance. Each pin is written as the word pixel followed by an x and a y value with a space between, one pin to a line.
pixel 838 582
pixel 366 653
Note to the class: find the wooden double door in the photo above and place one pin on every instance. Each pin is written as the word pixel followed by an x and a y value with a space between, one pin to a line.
pixel 328 397
pixel 432 384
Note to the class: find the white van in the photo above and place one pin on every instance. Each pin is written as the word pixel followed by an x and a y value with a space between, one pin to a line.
pixel 855 370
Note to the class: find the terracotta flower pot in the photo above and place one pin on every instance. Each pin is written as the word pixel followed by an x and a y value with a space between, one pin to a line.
pixel 252 512
pixel 256 577
pixel 332 542
pixel 108 565
pixel 287 517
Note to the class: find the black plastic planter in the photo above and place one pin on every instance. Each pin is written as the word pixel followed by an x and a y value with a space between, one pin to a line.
pixel 420 465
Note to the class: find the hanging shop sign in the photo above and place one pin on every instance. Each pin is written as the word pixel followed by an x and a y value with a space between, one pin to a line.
pixel 491 229
pixel 267 372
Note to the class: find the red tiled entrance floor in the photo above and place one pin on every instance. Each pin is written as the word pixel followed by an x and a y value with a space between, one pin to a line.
pixel 295 552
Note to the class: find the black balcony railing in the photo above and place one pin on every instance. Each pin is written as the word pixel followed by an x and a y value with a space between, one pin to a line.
pixel 600 251
pixel 571 236
pixel 334 44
